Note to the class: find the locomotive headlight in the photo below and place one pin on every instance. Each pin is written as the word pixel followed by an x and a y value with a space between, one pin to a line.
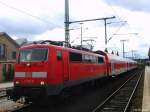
pixel 17 82
pixel 42 82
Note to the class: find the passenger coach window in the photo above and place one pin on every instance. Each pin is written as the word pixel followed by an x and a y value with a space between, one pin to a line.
pixel 59 55
pixel 100 60
pixel 75 56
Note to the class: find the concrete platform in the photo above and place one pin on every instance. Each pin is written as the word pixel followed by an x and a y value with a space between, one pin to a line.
pixel 6 85
pixel 146 92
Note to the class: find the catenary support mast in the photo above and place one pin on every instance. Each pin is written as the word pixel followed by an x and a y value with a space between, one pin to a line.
pixel 67 38
pixel 67 23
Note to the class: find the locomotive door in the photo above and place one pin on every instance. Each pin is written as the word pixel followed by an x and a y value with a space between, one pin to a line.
pixel 65 66
pixel 113 68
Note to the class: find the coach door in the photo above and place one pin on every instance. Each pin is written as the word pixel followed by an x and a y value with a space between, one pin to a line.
pixel 65 66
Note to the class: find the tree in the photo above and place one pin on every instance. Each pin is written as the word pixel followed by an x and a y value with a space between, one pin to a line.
pixel 106 50
pixel 8 72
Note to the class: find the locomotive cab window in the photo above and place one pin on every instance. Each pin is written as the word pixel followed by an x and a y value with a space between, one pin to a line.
pixel 59 55
pixel 33 54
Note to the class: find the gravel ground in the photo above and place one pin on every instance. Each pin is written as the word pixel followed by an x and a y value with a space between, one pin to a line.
pixel 6 85
pixel 7 105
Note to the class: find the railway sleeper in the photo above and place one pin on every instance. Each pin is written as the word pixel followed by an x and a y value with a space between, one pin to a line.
pixel 129 88
pixel 125 94
pixel 111 110
pixel 120 103
pixel 122 99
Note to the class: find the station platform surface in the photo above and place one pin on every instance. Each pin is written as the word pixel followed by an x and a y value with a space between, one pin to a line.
pixel 6 85
pixel 146 91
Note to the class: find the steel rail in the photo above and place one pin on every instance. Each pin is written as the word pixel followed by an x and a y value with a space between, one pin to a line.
pixel 18 109
pixel 3 92
pixel 100 106
pixel 129 101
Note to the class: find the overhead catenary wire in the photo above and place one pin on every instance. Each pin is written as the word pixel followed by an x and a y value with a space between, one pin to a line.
pixel 117 31
pixel 119 16
pixel 28 14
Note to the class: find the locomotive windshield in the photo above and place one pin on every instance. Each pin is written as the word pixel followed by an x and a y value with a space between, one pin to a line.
pixel 33 54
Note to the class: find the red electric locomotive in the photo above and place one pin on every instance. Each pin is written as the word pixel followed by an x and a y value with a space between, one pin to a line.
pixel 44 69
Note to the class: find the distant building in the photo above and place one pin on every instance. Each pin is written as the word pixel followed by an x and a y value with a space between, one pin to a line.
pixel 149 53
pixel 8 50
pixel 8 47
pixel 21 41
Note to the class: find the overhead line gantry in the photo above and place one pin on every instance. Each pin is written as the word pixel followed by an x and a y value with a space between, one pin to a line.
pixel 67 23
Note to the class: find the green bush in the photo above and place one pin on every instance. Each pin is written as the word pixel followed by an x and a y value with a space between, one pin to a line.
pixel 4 72
pixel 8 74
pixel 11 73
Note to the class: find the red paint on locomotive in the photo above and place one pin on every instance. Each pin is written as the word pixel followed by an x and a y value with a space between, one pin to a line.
pixel 49 68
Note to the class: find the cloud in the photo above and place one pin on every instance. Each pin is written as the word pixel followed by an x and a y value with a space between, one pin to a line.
pixel 144 45
pixel 24 27
pixel 56 34
pixel 133 5
pixel 24 19
pixel 40 19
pixel 14 25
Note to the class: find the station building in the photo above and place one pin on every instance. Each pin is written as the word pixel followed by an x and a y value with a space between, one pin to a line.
pixel 8 50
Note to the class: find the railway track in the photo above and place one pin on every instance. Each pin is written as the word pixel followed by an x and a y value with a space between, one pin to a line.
pixel 6 105
pixel 119 101
pixel 20 108
pixel 3 92
pixel 83 102
pixel 66 104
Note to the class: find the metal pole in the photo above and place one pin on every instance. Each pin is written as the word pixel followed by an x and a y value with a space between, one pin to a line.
pixel 81 35
pixel 91 20
pixel 105 20
pixel 123 50
pixel 67 40
pixel 123 47
pixel 132 54
pixel 105 32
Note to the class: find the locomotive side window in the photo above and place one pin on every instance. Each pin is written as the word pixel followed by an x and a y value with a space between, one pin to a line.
pixel 94 60
pixel 100 60
pixel 75 56
pixel 86 58
pixel 59 55
pixel 33 54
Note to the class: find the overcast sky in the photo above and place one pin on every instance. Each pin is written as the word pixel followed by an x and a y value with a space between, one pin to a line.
pixel 44 19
